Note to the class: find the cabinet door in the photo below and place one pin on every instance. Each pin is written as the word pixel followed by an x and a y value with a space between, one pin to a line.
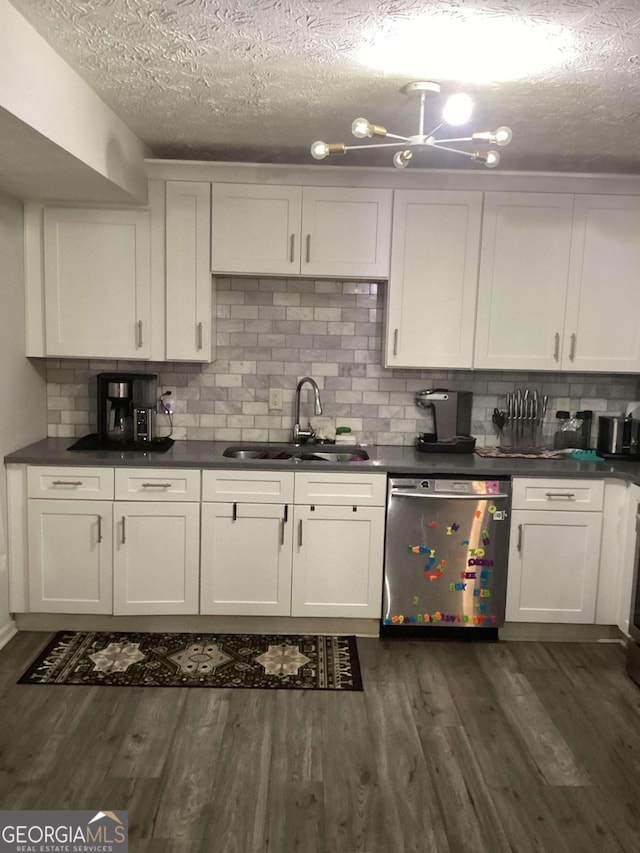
pixel 188 271
pixel 346 232
pixel 431 296
pixel 602 332
pixel 156 557
pixel 246 559
pixel 255 229
pixel 524 269
pixel 337 568
pixel 97 283
pixel 70 556
pixel 553 566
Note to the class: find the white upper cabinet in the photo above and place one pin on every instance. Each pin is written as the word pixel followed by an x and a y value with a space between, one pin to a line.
pixel 431 297
pixel 524 268
pixel 97 283
pixel 602 327
pixel 346 232
pixel 281 230
pixel 188 275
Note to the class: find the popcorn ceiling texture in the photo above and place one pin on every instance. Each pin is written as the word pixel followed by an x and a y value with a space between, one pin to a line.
pixel 271 332
pixel 259 81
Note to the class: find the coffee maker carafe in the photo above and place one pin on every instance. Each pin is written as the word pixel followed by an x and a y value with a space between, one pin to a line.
pixel 118 414
pixel 450 425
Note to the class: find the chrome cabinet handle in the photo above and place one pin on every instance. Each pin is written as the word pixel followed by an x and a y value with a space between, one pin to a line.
pixel 300 534
pixel 395 342
pixel 519 543
pixel 308 253
pixel 67 483
pixel 199 335
pixel 234 515
pixel 99 528
pixel 572 350
pixel 292 245
pixel 570 496
pixel 285 518
pixel 139 334
pixel 124 530
pixel 156 485
pixel 556 350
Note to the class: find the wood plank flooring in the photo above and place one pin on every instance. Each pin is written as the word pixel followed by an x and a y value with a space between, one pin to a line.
pixel 451 748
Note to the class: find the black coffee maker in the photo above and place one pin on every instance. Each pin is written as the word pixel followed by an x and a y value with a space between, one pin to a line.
pixel 126 410
pixel 450 421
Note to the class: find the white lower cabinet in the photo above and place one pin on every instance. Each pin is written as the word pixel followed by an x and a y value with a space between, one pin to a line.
pixel 246 559
pixel 554 553
pixel 70 556
pixel 156 557
pixel 264 553
pixel 337 561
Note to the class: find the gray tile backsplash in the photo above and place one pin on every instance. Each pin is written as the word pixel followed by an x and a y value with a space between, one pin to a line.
pixel 271 332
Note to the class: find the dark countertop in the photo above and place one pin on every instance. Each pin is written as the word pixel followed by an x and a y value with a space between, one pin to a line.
pixel 383 458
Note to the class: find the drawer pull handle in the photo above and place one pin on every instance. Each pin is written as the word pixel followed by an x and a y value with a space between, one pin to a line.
pixel 157 485
pixel 67 483
pixel 519 544
pixel 99 528
pixel 124 530
pixel 570 496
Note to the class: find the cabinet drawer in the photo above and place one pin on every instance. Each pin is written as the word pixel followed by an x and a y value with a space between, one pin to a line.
pixel 157 484
pixel 250 486
pixel 339 489
pixel 567 495
pixel 70 483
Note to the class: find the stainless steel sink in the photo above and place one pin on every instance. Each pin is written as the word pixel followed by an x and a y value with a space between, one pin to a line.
pixel 354 454
pixel 257 453
pixel 304 453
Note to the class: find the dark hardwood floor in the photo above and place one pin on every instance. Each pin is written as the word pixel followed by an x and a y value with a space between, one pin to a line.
pixel 457 747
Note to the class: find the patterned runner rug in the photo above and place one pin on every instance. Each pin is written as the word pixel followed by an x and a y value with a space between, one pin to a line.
pixel 198 660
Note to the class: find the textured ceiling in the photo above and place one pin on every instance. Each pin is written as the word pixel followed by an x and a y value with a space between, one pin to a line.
pixel 260 80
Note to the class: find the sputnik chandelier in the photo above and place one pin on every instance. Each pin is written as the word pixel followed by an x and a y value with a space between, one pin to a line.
pixel 457 110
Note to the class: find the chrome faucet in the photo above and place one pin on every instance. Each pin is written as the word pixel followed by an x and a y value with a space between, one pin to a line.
pixel 300 436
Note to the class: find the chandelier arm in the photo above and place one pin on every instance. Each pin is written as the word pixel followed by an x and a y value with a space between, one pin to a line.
pixel 377 145
pixel 395 136
pixel 435 129
pixel 457 139
pixel 435 144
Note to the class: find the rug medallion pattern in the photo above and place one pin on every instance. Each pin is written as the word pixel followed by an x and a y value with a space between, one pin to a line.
pixel 198 660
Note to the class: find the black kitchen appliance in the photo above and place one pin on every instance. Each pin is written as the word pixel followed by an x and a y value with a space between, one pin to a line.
pixel 618 437
pixel 450 424
pixel 126 409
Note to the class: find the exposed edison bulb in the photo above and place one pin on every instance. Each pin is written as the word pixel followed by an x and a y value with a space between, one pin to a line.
pixel 361 128
pixel 490 158
pixel 458 109
pixel 501 136
pixel 319 150
pixel 401 159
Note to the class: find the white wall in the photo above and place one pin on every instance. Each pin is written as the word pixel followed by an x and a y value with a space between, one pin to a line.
pixel 22 386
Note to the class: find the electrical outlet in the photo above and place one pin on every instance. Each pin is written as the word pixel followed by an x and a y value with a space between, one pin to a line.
pixel 275 398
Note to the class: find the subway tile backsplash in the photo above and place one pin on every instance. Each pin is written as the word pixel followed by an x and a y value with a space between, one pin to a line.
pixel 270 332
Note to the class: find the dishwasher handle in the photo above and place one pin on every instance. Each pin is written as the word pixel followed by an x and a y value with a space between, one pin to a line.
pixel 446 495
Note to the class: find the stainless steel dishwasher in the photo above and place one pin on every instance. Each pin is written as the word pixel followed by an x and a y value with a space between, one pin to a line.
pixel 446 550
